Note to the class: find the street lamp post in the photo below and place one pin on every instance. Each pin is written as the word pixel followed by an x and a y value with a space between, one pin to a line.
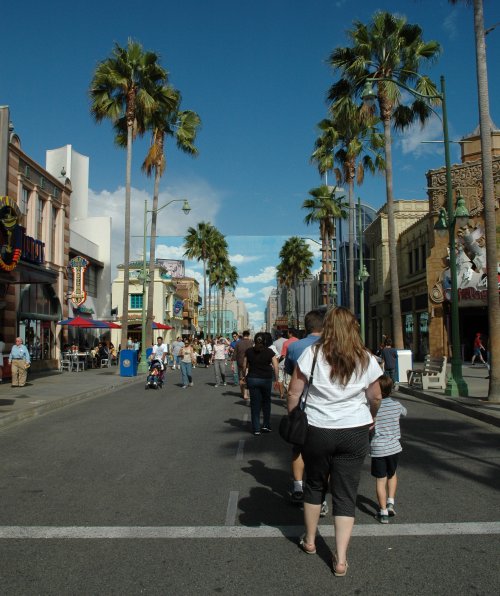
pixel 145 276
pixel 456 384
pixel 363 275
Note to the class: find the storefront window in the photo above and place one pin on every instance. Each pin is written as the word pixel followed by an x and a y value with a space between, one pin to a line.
pixel 423 335
pixel 39 311
pixel 408 338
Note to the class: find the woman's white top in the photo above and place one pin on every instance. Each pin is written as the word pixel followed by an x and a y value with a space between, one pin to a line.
pixel 332 405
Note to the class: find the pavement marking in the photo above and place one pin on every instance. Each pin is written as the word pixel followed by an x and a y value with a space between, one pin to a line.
pixel 240 532
pixel 239 452
pixel 232 508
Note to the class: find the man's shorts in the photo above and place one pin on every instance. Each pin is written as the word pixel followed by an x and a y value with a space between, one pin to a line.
pixel 385 467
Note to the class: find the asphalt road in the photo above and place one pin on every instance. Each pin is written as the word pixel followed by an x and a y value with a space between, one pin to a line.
pixel 167 492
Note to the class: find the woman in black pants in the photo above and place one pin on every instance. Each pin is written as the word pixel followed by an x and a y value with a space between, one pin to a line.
pixel 259 365
pixel 343 399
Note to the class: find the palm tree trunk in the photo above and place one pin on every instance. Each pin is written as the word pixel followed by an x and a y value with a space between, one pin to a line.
pixel 223 293
pixel 324 263
pixel 205 305
pixel 397 329
pixel 209 308
pixel 152 259
pixel 489 205
pixel 126 248
pixel 352 306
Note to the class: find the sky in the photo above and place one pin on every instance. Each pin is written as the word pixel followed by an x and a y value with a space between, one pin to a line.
pixel 257 74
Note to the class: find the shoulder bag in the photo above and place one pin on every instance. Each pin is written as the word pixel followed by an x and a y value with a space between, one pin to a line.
pixel 293 426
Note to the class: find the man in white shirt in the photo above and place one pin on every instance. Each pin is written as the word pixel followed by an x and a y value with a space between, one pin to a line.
pixel 160 351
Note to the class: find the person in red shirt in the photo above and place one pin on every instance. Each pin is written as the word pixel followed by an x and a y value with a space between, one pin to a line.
pixel 478 346
pixel 292 336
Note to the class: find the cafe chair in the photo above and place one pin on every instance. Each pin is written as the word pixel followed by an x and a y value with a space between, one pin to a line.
pixel 65 363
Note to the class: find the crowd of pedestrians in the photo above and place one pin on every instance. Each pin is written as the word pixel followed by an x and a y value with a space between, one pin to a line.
pixel 349 408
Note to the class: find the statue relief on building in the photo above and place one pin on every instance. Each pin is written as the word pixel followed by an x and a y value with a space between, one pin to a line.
pixel 470 254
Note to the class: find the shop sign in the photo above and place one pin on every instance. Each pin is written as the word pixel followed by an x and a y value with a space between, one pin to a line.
pixel 78 265
pixel 11 241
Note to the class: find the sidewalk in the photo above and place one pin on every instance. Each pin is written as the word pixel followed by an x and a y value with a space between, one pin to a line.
pixel 476 405
pixel 53 389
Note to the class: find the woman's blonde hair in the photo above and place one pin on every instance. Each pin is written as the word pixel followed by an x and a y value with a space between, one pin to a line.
pixel 342 346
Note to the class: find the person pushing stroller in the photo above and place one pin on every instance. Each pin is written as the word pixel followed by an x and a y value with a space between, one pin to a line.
pixel 157 366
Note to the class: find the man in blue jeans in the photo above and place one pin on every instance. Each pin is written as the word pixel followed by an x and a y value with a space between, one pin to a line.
pixel 313 323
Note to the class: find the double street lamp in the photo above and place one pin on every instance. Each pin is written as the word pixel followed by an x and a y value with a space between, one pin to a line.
pixel 145 279
pixel 447 219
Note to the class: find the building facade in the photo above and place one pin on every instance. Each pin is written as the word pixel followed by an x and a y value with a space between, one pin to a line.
pixel 423 261
pixel 168 303
pixel 34 239
pixel 89 245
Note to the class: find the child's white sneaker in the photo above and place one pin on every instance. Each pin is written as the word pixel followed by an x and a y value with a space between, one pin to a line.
pixel 390 509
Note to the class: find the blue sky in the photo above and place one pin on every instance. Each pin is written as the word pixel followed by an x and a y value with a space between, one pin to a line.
pixel 256 73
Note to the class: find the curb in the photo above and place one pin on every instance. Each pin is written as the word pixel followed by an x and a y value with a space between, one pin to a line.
pixel 12 418
pixel 456 406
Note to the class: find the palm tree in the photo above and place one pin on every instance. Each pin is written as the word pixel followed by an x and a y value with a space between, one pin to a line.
pixel 296 262
pixel 489 199
pixel 197 244
pixel 166 121
pixel 388 48
pixel 357 140
pixel 224 276
pixel 124 87
pixel 217 252
pixel 324 208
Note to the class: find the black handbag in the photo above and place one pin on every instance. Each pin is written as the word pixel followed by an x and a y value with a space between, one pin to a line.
pixel 293 426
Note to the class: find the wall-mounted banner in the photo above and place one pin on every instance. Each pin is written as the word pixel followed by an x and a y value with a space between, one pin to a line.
pixel 178 306
pixel 10 237
pixel 78 265
pixel 175 268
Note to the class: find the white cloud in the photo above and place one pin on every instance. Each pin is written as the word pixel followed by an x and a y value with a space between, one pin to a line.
pixel 256 319
pixel 240 259
pixel 450 24
pixel 196 275
pixel 242 292
pixel 413 140
pixel 163 251
pixel 171 221
pixel 251 305
pixel 267 274
pixel 314 247
pixel 266 291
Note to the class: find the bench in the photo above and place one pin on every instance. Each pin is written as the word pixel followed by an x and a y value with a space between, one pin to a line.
pixel 432 376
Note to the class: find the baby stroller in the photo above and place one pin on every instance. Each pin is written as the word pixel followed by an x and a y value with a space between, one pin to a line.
pixel 155 375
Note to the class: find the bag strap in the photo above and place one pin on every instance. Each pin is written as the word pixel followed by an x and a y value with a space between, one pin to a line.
pixel 310 381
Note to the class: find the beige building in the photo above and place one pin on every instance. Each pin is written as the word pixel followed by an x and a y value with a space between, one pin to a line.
pixel 376 238
pixel 175 302
pixel 423 261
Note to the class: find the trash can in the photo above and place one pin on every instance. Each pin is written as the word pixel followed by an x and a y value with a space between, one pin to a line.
pixel 404 363
pixel 128 363
pixel 149 351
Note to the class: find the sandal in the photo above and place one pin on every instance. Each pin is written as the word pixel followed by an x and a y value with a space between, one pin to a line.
pixel 336 565
pixel 308 548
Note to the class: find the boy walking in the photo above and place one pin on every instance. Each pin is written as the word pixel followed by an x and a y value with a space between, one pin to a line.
pixel 385 449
